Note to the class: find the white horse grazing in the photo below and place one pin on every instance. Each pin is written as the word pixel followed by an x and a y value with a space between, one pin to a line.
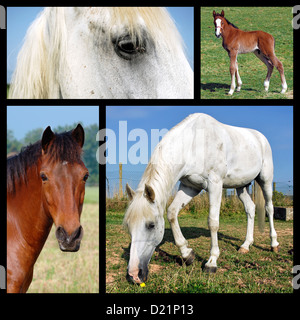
pixel 110 52
pixel 203 154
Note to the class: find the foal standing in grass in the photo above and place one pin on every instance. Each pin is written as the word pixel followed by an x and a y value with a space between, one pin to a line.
pixel 236 41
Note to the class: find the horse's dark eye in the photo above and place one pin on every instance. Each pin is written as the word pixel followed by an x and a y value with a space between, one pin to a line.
pixel 126 47
pixel 43 177
pixel 85 177
pixel 150 225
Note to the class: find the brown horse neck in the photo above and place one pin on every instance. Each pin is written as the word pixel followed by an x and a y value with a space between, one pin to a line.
pixel 27 213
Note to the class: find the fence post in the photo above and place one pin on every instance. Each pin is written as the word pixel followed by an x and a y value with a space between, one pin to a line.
pixel 274 186
pixel 120 181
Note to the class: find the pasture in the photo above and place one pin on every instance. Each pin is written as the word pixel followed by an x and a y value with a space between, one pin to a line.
pixel 259 271
pixel 215 76
pixel 68 272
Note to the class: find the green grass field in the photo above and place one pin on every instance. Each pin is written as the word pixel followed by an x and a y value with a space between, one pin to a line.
pixel 259 271
pixel 215 76
pixel 67 272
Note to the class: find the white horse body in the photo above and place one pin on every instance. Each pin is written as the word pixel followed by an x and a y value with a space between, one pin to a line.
pixel 109 52
pixel 203 154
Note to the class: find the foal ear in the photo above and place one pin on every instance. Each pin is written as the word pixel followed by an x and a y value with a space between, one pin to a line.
pixel 47 137
pixel 78 134
pixel 130 192
pixel 149 193
pixel 222 13
pixel 214 13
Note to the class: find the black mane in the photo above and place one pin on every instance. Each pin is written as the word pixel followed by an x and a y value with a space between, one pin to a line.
pixel 231 23
pixel 218 14
pixel 63 148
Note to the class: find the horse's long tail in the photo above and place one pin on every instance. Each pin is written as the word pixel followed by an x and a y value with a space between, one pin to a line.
pixel 259 206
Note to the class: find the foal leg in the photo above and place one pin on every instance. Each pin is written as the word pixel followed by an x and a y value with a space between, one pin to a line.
pixel 269 66
pixel 183 196
pixel 215 197
pixel 233 69
pixel 277 63
pixel 243 194
pixel 238 78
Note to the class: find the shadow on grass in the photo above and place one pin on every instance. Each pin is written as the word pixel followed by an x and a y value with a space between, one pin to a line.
pixel 212 87
pixel 189 233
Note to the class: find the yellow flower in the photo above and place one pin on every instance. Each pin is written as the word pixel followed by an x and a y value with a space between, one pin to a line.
pixel 142 285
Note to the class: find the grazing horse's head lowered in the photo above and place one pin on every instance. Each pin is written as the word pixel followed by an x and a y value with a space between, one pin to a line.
pixel 146 227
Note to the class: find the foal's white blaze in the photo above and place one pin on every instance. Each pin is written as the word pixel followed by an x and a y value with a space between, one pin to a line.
pixel 218 28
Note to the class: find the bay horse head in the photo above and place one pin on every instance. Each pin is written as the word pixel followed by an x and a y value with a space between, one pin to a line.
pixel 63 176
pixel 219 23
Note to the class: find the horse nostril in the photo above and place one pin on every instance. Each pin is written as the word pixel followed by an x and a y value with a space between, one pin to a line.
pixel 60 233
pixel 77 234
pixel 143 274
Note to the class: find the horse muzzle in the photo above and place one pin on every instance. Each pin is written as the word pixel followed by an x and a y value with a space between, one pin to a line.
pixel 139 278
pixel 69 243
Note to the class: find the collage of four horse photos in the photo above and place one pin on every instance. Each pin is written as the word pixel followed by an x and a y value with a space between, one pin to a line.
pixel 124 177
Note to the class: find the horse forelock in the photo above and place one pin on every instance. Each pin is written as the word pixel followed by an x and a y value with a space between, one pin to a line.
pixel 62 149
pixel 138 210
pixel 156 21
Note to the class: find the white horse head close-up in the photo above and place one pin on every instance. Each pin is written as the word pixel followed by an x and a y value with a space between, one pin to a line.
pixel 102 53
pixel 203 154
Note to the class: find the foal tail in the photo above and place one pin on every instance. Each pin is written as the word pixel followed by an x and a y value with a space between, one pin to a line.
pixel 259 206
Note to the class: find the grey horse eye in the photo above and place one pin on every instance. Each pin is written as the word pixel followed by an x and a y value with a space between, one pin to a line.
pixel 127 48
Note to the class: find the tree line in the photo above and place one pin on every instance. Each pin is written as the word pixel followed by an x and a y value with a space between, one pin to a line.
pixel 89 148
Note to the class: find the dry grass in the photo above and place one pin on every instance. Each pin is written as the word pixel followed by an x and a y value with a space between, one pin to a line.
pixel 67 272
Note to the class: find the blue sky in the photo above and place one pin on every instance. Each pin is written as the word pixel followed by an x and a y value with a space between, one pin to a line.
pixel 275 122
pixel 20 18
pixel 21 119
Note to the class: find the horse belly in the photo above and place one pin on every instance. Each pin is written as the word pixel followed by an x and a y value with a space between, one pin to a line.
pixel 244 158
pixel 248 43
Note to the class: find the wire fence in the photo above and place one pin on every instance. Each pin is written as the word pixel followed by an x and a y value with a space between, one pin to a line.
pixel 116 184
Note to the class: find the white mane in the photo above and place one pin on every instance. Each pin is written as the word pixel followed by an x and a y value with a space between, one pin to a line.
pixel 159 174
pixel 40 57
pixel 45 44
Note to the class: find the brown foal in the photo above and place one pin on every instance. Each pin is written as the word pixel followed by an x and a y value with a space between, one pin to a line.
pixel 236 41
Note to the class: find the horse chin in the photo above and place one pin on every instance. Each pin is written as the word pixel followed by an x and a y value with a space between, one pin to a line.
pixel 218 36
pixel 69 247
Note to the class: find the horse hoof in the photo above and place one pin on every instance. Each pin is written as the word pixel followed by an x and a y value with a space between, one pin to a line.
pixel 210 269
pixel 275 249
pixel 190 259
pixel 243 250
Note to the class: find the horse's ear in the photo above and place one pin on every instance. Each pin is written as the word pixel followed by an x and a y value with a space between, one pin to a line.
pixel 130 192
pixel 214 13
pixel 222 13
pixel 149 193
pixel 47 137
pixel 78 134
